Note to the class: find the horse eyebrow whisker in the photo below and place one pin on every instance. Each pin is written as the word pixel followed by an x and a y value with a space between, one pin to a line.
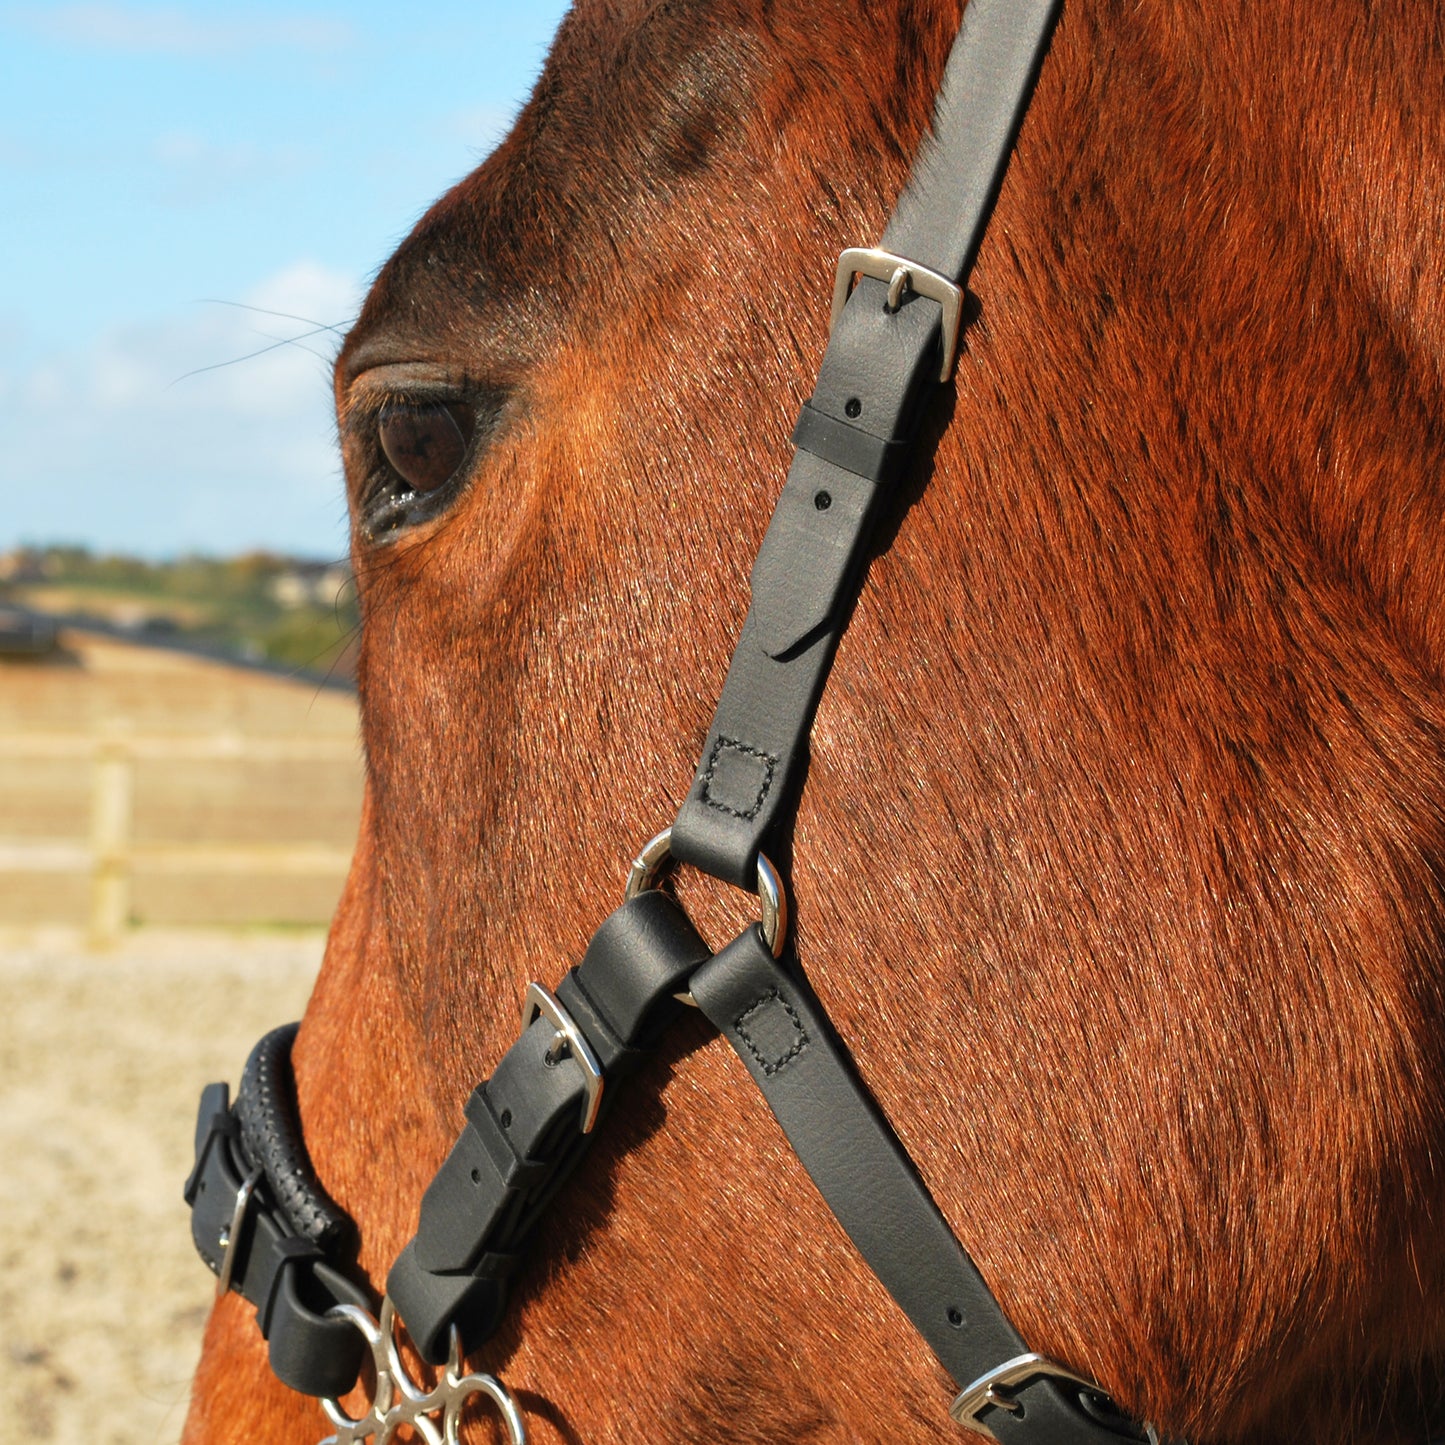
pixel 252 355
pixel 339 327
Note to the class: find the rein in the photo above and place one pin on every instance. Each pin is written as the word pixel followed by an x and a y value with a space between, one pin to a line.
pixel 261 1220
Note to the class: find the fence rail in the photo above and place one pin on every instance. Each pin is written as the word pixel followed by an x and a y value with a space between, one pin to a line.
pixel 217 747
pixel 111 854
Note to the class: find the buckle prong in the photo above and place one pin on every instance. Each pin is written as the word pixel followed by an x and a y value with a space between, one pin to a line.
pixel 898 283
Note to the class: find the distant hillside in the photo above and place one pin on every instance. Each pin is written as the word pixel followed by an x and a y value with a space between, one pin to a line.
pixel 258 606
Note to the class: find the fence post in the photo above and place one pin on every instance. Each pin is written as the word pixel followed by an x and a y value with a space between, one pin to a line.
pixel 110 830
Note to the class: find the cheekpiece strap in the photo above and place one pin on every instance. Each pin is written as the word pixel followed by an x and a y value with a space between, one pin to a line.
pixel 881 366
pixel 530 1124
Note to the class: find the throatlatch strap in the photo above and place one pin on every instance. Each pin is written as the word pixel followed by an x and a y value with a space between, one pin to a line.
pixel 875 373
pixel 783 1036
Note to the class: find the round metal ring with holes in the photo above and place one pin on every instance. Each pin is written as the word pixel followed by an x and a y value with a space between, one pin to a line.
pixel 433 1416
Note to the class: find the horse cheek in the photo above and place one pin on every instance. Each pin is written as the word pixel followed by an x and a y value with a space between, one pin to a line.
pixel 235 1398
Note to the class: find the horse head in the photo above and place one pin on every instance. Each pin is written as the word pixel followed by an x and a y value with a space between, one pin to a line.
pixel 1120 865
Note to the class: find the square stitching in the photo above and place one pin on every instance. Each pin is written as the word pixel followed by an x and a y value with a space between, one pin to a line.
pixel 769 762
pixel 772 1066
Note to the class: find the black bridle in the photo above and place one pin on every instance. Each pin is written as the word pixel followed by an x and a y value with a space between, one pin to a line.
pixel 260 1218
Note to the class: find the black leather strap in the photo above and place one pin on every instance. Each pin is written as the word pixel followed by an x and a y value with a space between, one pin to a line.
pixel 865 1176
pixel 270 1133
pixel 523 1135
pixel 876 372
pixel 285 1263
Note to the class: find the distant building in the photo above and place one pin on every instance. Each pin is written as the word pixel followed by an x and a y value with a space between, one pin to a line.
pixel 23 564
pixel 304 584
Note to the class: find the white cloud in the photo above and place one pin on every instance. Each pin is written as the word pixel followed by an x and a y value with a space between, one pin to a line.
pixel 169 30
pixel 196 432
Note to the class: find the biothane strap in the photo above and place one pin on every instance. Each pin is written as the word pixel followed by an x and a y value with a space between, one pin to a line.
pixel 782 1034
pixel 527 1128
pixel 530 1124
pixel 879 366
pixel 525 1134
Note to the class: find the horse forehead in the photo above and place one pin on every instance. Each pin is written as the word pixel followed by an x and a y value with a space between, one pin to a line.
pixel 636 101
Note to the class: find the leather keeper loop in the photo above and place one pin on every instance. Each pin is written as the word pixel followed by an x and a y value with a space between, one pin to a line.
pixel 876 458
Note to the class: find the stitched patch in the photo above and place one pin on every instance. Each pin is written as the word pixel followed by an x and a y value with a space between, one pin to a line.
pixel 737 778
pixel 772 1031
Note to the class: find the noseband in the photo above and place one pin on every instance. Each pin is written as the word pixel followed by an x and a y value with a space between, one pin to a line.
pixel 260 1218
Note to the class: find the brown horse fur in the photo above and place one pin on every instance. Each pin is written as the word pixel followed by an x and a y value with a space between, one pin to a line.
pixel 1121 863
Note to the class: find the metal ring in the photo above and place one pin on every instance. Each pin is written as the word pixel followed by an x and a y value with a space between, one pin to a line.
pixel 399 1402
pixel 771 893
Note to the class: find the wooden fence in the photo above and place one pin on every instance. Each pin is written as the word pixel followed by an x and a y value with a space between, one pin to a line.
pixel 186 808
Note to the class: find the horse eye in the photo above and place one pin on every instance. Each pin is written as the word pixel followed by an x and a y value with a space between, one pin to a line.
pixel 425 442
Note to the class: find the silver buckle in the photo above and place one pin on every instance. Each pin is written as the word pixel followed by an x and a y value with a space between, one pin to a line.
pixel 994 1390
pixel 569 1043
pixel 902 275
pixel 232 1232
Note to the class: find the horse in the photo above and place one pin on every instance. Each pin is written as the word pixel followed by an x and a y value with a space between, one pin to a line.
pixel 1120 865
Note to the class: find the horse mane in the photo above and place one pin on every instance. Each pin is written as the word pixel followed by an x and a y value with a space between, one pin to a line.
pixel 1121 861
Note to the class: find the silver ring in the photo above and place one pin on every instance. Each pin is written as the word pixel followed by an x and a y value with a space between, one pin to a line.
pixel 771 894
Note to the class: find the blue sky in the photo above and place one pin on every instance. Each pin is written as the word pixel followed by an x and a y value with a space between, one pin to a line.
pixel 165 167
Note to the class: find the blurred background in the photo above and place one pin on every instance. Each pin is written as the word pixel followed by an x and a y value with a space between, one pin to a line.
pixel 196 196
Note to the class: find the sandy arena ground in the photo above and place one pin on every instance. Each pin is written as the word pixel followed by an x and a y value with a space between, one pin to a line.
pixel 102 1058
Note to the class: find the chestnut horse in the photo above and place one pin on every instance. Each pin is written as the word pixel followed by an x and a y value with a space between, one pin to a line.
pixel 1121 861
